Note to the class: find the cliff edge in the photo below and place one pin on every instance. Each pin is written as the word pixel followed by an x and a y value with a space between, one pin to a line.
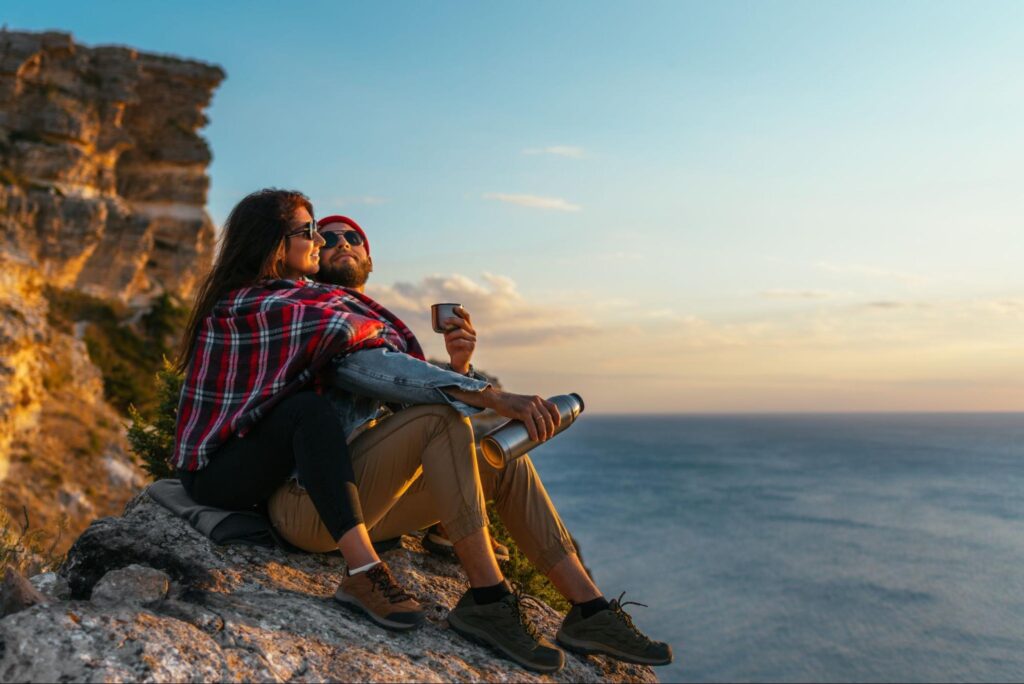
pixel 144 597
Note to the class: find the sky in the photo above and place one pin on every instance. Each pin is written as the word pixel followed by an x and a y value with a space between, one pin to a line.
pixel 664 206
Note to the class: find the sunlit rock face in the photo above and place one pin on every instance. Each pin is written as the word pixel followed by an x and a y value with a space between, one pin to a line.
pixel 102 189
pixel 102 173
pixel 63 449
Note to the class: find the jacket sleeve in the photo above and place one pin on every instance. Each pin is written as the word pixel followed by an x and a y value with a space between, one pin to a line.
pixel 396 377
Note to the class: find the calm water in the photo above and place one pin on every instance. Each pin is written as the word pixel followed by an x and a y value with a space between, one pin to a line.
pixel 807 548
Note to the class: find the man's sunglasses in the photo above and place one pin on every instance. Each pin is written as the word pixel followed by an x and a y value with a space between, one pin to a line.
pixel 333 239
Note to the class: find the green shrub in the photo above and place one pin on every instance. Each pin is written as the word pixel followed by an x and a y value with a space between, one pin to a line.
pixel 152 440
pixel 518 569
pixel 127 355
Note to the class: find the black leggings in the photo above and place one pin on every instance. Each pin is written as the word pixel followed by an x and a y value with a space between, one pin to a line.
pixel 301 434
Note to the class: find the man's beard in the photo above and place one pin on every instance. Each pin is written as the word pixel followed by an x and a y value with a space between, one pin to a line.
pixel 349 273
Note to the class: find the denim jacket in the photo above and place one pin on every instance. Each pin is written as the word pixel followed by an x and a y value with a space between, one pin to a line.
pixel 366 382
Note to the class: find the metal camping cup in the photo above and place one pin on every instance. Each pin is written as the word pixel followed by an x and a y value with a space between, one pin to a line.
pixel 511 440
pixel 439 312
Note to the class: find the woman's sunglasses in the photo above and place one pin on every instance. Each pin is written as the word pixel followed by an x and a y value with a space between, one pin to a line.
pixel 331 238
pixel 307 231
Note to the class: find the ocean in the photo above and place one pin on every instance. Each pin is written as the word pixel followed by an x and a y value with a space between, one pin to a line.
pixel 806 548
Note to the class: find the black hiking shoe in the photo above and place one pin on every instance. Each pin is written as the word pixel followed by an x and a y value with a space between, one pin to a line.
pixel 611 632
pixel 504 627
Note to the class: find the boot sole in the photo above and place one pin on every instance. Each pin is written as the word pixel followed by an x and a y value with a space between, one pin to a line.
pixel 583 647
pixel 484 639
pixel 353 604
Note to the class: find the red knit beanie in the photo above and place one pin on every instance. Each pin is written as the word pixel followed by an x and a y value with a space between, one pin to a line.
pixel 335 218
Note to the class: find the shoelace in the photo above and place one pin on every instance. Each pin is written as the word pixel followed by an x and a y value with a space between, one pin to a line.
pixel 521 598
pixel 381 577
pixel 616 606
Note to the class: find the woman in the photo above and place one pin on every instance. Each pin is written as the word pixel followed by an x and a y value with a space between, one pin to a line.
pixel 249 417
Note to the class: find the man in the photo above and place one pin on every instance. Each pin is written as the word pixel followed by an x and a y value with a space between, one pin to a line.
pixel 396 458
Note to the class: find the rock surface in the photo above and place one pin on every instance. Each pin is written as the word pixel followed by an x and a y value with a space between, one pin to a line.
pixel 135 584
pixel 247 614
pixel 102 173
pixel 102 189
pixel 18 593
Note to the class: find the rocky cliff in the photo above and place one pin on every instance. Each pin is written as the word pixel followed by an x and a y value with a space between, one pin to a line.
pixel 144 597
pixel 102 191
pixel 103 173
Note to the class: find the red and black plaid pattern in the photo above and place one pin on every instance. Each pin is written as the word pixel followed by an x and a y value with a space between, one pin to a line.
pixel 261 344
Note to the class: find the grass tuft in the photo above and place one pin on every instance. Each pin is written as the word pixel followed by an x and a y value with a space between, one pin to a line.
pixel 27 550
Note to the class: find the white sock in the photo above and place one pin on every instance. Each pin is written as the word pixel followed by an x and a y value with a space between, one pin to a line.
pixel 363 568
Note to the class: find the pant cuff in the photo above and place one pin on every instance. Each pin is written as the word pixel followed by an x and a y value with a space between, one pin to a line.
pixel 465 524
pixel 552 556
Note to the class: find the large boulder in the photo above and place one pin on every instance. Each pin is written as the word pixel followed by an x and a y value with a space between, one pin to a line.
pixel 245 613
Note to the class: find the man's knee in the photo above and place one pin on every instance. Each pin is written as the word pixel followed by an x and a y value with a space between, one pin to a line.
pixel 441 412
pixel 446 418
pixel 516 473
pixel 519 467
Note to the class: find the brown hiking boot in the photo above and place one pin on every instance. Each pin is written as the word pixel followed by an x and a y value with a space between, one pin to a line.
pixel 376 593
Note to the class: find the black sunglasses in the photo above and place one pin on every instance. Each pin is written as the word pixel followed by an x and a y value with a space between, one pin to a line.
pixel 333 238
pixel 308 231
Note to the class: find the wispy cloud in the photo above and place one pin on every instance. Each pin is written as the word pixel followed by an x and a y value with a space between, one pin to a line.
pixel 558 151
pixel 888 304
pixel 497 308
pixel 534 201
pixel 871 272
pixel 872 354
pixel 782 293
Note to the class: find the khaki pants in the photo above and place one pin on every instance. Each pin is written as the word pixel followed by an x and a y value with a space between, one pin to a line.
pixel 420 467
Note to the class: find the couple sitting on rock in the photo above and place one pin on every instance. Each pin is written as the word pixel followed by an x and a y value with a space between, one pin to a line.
pixel 387 449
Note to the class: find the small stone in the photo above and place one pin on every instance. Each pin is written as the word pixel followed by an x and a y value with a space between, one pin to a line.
pixel 135 584
pixel 51 585
pixel 18 593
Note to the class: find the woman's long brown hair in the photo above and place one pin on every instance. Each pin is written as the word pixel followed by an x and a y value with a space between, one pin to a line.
pixel 252 242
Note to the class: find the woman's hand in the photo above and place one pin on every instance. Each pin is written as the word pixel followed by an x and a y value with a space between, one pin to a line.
pixel 459 340
pixel 539 415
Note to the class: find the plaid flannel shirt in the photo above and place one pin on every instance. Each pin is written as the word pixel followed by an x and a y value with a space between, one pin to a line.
pixel 263 343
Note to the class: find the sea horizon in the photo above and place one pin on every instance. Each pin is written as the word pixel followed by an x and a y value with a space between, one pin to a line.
pixel 806 547
pixel 705 414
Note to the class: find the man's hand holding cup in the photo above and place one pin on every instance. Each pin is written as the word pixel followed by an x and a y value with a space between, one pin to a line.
pixel 459 333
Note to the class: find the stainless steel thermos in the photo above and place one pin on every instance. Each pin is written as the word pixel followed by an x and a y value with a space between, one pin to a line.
pixel 511 440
